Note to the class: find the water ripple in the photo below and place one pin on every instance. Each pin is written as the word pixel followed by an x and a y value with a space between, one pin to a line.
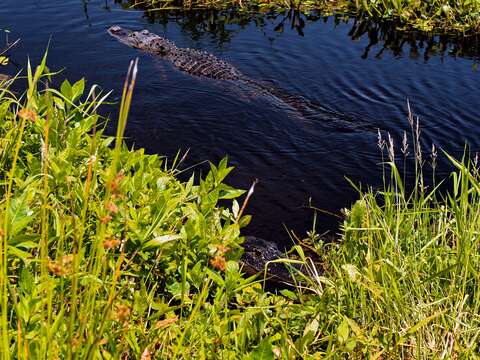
pixel 294 158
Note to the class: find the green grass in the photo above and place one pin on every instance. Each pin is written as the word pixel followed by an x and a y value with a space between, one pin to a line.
pixel 107 255
pixel 92 229
pixel 439 16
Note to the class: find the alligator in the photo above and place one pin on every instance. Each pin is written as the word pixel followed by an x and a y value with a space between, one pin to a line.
pixel 202 64
pixel 265 259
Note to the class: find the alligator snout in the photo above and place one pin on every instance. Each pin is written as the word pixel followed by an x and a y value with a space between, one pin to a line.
pixel 115 28
pixel 124 35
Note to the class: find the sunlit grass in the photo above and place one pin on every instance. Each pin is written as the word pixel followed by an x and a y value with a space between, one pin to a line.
pixel 403 280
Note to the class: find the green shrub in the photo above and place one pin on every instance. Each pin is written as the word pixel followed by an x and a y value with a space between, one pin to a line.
pixel 98 237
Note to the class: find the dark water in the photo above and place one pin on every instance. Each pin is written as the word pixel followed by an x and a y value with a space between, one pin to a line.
pixel 362 69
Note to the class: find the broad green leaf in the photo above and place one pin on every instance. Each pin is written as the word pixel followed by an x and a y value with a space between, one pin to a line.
pixel 343 331
pixel 66 89
pixel 162 239
pixel 263 351
pixel 77 89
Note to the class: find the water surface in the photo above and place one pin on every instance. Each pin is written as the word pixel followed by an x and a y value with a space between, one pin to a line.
pixel 362 69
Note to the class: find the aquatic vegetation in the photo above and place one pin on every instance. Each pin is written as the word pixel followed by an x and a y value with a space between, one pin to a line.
pixel 426 15
pixel 106 254
pixel 389 36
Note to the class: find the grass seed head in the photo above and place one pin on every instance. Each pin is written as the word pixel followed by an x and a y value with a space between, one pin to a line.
pixel 391 148
pixel 380 141
pixel 405 145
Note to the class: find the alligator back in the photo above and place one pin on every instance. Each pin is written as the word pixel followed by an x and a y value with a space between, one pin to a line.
pixel 200 63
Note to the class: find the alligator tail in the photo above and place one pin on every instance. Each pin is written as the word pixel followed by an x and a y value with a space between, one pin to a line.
pixel 307 108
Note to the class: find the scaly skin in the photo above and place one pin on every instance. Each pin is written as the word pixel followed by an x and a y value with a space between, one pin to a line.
pixel 200 63
pixel 257 259
pixel 191 61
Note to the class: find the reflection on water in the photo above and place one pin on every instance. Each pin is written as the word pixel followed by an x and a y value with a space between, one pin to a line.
pixel 382 35
pixel 385 36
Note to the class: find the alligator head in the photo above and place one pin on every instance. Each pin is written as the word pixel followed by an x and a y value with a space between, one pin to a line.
pixel 144 40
